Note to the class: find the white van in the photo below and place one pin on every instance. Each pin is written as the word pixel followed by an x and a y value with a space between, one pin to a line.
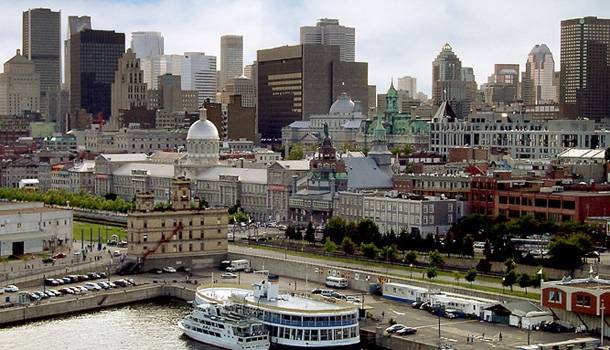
pixel 336 282
pixel 238 265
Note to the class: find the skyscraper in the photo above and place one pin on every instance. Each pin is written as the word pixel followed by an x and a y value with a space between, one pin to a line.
pixel 328 32
pixel 231 57
pixel 585 71
pixel 19 87
pixel 537 86
pixel 452 83
pixel 147 44
pixel 42 45
pixel 75 24
pixel 128 87
pixel 199 73
pixel 94 59
pixel 407 84
pixel 297 81
pixel 503 85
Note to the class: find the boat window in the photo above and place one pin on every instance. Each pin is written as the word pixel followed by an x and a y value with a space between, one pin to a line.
pixel 323 334
pixel 299 334
pixel 314 335
pixel 307 335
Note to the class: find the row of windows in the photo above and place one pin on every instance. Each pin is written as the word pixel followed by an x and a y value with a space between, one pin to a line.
pixel 314 334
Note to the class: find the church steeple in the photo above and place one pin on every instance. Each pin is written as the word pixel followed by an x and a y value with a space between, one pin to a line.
pixel 391 99
pixel 379 133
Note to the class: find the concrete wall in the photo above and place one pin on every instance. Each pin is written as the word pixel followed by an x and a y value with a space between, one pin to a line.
pixel 94 301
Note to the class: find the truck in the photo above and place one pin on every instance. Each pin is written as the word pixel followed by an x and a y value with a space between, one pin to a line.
pixel 238 265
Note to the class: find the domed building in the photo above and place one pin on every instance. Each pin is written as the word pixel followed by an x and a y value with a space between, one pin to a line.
pixel 202 145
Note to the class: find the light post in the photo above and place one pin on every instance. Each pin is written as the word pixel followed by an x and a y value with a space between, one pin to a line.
pixel 503 279
pixel 601 338
pixel 411 268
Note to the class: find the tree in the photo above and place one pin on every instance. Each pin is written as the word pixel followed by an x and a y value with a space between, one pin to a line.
pixel 310 235
pixel 468 246
pixel 411 257
pixel 471 275
pixel 348 246
pixel 484 265
pixel 509 279
pixel 524 281
pixel 335 229
pixel 403 240
pixel 367 231
pixel 457 276
pixel 369 250
pixel 298 234
pixel 296 152
pixel 435 258
pixel 431 273
pixel 388 252
pixel 509 265
pixel 289 233
pixel 487 250
pixel 329 246
pixel 567 252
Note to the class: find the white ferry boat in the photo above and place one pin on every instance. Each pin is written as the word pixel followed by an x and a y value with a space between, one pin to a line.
pixel 219 326
pixel 293 321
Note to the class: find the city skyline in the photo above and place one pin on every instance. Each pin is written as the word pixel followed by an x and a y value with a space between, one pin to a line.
pixel 419 29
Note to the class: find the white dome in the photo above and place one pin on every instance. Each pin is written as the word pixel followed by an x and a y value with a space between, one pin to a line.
pixel 203 129
pixel 343 105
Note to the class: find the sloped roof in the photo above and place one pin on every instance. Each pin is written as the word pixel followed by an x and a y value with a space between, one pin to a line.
pixel 125 157
pixel 294 164
pixel 445 111
pixel 152 169
pixel 246 175
pixel 363 173
pixel 300 124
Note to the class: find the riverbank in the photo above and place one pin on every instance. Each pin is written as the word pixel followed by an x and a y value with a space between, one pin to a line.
pixel 95 301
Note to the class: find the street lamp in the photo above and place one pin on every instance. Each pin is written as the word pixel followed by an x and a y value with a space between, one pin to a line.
pixel 503 279
pixel 411 268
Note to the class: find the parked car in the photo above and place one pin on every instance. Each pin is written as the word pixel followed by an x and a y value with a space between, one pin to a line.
pixel 111 284
pixel 66 291
pixel 121 283
pixel 228 275
pixel 67 280
pixel 557 327
pixel 104 285
pixel 48 261
pixel 395 328
pixel 406 331
pixel 450 313
pixel 59 255
pixel 169 269
pixel 316 291
pixel 102 274
pixel 11 288
pixel 33 296
pixel 183 269
pixel 92 286
pixel 49 293
pixel 417 304
pixel 116 253
pixel 82 289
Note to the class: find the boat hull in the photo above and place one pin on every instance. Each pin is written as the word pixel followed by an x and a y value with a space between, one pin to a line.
pixel 202 338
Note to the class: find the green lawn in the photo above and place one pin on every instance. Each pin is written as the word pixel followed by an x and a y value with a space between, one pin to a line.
pixel 417 274
pixel 80 228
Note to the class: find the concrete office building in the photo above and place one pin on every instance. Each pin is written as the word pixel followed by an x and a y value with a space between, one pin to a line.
pixel 295 82
pixel 328 32
pixel 94 59
pixel 128 87
pixel 538 79
pixel 450 82
pixel 42 45
pixel 233 120
pixel 199 73
pixel 32 228
pixel 231 58
pixel 372 107
pixel 147 44
pixel 407 83
pixel 241 86
pixel 183 236
pixel 75 24
pixel 170 97
pixel 19 87
pixel 503 85
pixel 155 66
pixel 585 68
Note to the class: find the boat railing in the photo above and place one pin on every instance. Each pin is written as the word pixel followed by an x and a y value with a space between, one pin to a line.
pixel 278 320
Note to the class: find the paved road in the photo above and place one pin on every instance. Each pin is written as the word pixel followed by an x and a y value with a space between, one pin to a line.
pixel 355 265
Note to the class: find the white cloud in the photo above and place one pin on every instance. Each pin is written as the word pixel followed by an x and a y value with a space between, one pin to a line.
pixel 396 37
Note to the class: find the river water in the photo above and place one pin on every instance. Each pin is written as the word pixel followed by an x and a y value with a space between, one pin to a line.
pixel 134 327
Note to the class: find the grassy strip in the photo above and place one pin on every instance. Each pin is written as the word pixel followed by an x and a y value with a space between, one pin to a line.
pixel 80 229
pixel 416 273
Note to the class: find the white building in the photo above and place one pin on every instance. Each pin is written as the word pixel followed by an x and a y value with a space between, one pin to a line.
pixel 199 73
pixel 30 228
pixel 231 58
pixel 518 135
pixel 130 140
pixel 407 84
pixel 538 86
pixel 328 32
pixel 147 44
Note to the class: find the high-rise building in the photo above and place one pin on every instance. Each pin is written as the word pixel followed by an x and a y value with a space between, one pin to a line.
pixel 585 71
pixel 503 84
pixel 170 92
pixel 231 58
pixel 248 71
pixel 409 84
pixel 297 81
pixel 19 87
pixel 538 86
pixel 93 62
pixel 241 86
pixel 147 44
pixel 128 87
pixel 372 107
pixel 452 83
pixel 42 45
pixel 155 66
pixel 75 24
pixel 199 73
pixel 328 32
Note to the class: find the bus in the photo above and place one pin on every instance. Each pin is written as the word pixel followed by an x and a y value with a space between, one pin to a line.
pixel 336 282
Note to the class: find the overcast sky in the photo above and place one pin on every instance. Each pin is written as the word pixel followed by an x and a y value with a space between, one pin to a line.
pixel 396 38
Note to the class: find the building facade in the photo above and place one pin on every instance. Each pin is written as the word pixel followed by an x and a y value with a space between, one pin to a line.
pixel 231 58
pixel 199 73
pixel 585 68
pixel 184 236
pixel 19 87
pixel 329 32
pixel 32 228
pixel 128 88
pixel 538 79
pixel 94 59
pixel 452 83
pixel 147 44
pixel 75 24
pixel 407 83
pixel 295 82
